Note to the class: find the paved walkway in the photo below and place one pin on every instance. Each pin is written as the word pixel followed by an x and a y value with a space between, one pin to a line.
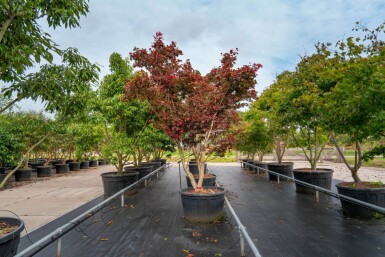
pixel 45 200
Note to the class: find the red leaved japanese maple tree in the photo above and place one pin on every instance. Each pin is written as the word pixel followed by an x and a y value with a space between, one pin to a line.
pixel 194 110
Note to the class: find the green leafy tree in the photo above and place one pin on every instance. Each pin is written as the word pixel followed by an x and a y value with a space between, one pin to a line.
pixel 302 107
pixel 255 138
pixel 25 45
pixel 124 122
pixel 32 129
pixel 10 147
pixel 23 42
pixel 267 108
pixel 356 106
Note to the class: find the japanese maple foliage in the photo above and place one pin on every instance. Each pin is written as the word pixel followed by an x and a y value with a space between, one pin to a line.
pixel 192 109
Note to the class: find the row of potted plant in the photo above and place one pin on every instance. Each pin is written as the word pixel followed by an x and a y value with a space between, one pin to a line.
pixel 334 95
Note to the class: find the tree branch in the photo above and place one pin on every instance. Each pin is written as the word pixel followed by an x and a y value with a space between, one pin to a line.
pixel 340 152
pixel 9 105
pixel 22 160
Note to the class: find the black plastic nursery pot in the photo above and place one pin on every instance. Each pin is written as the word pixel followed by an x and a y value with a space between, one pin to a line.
pixel 162 161
pixel 208 180
pixel 74 166
pixel 193 168
pixel 23 175
pixel 262 165
pixel 375 195
pixel 155 165
pixel 62 168
pixel 54 162
pixel 113 183
pixel 84 165
pixel 94 163
pixel 248 166
pixel 34 165
pixel 102 162
pixel 43 171
pixel 143 170
pixel 69 160
pixel 9 242
pixel 319 177
pixel 284 168
pixel 203 207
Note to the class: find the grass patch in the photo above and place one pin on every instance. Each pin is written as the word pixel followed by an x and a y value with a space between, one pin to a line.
pixel 377 162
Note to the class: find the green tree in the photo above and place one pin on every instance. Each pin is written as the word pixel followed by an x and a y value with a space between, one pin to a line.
pixel 356 106
pixel 23 42
pixel 267 108
pixel 32 129
pixel 254 138
pixel 25 45
pixel 302 107
pixel 124 122
pixel 10 147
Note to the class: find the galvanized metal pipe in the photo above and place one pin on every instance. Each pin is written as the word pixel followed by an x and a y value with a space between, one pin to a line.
pixel 244 234
pixel 328 192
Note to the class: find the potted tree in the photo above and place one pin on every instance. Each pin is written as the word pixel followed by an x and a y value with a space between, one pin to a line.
pixel 255 138
pixel 355 109
pixel 267 107
pixel 192 109
pixel 302 109
pixel 122 124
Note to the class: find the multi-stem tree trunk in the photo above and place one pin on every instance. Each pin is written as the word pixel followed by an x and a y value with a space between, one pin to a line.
pixel 357 157
pixel 184 164
pixel 313 144
pixel 280 148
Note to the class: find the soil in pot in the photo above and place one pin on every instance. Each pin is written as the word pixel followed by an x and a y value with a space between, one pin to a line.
pixel 284 168
pixel 370 192
pixel 319 177
pixel 43 171
pixel 84 165
pixel 10 229
pixel 203 206
pixel 113 183
pixel 193 168
pixel 74 166
pixel 23 175
pixel 208 180
pixel 61 168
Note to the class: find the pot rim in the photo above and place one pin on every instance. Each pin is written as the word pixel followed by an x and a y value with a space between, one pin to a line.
pixel 115 174
pixel 317 170
pixel 10 235
pixel 280 164
pixel 184 193
pixel 360 189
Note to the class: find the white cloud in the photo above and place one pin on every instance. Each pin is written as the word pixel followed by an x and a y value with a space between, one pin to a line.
pixel 272 33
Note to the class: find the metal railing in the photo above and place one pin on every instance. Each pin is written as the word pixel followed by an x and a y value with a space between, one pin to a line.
pixel 319 189
pixel 242 230
pixel 61 231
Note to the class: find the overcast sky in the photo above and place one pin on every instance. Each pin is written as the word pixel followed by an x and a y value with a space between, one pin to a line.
pixel 270 32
